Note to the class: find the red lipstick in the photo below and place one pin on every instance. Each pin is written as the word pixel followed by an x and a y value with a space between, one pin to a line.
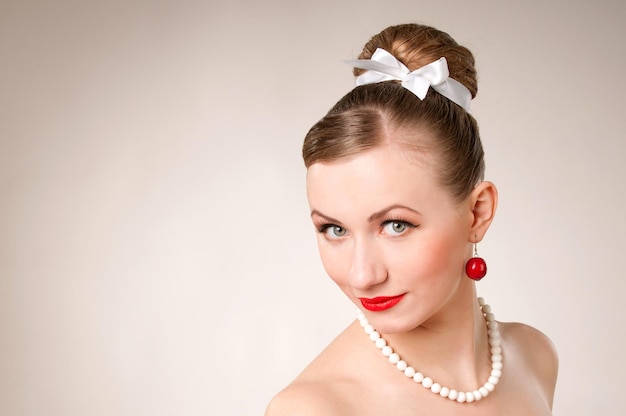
pixel 381 303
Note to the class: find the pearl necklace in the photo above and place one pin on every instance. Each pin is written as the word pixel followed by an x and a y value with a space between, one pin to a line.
pixel 427 382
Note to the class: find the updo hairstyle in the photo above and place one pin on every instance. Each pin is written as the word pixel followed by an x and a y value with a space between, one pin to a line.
pixel 375 114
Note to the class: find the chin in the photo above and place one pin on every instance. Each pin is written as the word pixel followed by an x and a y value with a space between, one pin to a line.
pixel 390 323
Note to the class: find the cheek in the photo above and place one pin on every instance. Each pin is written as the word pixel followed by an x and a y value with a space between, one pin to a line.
pixel 335 259
pixel 431 259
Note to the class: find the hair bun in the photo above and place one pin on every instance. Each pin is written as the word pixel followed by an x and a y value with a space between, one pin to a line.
pixel 417 45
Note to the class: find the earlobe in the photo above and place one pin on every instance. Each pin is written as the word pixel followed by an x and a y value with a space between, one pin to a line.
pixel 484 201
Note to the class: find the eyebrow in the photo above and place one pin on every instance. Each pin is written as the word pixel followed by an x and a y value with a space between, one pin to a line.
pixel 325 217
pixel 384 211
pixel 371 218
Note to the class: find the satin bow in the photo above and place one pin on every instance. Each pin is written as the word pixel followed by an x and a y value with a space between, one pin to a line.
pixel 383 66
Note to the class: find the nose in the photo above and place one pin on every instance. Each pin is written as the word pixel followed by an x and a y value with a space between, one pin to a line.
pixel 368 268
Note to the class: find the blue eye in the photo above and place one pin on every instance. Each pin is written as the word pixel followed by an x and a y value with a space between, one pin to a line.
pixel 396 227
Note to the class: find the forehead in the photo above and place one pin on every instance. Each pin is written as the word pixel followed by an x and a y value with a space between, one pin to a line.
pixel 379 177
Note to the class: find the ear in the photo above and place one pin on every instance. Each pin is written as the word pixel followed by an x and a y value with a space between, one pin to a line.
pixel 483 202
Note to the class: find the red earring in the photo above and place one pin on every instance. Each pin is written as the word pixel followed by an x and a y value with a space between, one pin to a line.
pixel 476 268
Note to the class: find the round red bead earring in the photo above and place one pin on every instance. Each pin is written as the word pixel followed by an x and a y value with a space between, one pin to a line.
pixel 476 268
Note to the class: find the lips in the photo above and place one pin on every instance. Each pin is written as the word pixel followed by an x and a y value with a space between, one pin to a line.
pixel 381 303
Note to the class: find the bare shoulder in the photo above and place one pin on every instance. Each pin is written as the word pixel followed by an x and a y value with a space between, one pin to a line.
pixel 310 398
pixel 532 343
pixel 326 386
pixel 535 351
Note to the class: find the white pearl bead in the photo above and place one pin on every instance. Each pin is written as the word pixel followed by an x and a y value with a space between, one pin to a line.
pixel 493 335
pixel 427 382
pixel 477 395
pixel 495 348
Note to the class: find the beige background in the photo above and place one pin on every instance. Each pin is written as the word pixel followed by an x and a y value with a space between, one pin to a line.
pixel 156 256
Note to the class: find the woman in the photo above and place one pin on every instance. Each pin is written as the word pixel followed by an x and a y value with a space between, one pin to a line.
pixel 396 190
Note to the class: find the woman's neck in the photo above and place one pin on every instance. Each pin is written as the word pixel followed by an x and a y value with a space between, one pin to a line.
pixel 452 346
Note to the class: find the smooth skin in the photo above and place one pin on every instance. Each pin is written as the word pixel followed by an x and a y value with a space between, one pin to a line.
pixel 386 227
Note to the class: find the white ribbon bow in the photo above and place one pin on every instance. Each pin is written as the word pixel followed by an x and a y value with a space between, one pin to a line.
pixel 383 66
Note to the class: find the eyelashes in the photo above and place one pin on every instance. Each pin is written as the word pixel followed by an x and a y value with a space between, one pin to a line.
pixel 397 227
pixel 391 227
pixel 332 231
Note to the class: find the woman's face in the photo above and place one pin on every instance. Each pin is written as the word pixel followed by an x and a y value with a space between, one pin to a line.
pixel 389 235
